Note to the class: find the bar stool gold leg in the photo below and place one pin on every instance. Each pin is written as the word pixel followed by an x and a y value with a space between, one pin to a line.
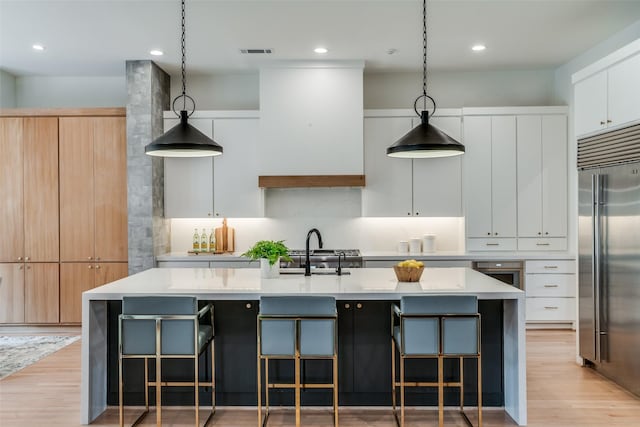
pixel 196 387
pixel 120 392
pixel 213 378
pixel 259 394
pixel 401 391
pixel 335 390
pixel 266 390
pixel 393 378
pixel 461 384
pixel 440 391
pixel 297 389
pixel 479 391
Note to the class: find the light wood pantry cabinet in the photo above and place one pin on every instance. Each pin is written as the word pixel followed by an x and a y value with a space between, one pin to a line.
pixel 490 182
pixel 75 278
pixel 608 98
pixel 542 182
pixel 29 293
pixel 409 187
pixel 93 189
pixel 221 186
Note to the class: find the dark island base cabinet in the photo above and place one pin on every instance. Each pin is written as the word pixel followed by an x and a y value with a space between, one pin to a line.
pixel 364 372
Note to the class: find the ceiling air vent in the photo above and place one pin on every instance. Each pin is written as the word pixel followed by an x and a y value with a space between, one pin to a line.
pixel 258 51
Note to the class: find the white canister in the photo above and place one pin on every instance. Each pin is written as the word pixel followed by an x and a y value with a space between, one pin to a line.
pixel 403 247
pixel 429 243
pixel 415 245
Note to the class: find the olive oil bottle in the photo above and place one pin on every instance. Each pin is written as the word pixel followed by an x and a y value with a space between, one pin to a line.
pixel 196 241
pixel 204 241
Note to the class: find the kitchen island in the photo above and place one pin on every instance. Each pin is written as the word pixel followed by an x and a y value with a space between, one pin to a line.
pixel 364 300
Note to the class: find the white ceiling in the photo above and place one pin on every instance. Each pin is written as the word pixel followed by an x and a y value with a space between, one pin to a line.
pixel 95 37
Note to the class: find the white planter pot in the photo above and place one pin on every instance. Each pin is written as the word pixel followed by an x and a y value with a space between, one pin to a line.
pixel 269 271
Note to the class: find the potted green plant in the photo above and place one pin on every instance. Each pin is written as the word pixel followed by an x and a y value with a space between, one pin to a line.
pixel 269 253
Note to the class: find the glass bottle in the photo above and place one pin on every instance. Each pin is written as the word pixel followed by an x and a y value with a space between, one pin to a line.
pixel 196 241
pixel 204 241
pixel 212 241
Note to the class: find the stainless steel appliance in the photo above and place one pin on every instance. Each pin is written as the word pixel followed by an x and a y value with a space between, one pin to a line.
pixel 509 272
pixel 325 258
pixel 609 256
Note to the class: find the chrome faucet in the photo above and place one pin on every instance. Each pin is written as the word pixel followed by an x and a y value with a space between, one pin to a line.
pixel 307 264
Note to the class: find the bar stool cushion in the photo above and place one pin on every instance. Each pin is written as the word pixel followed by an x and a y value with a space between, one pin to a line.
pixel 278 335
pixel 139 336
pixel 422 335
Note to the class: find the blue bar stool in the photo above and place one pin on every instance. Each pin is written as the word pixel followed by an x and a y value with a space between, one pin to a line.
pixel 435 327
pixel 296 328
pixel 165 327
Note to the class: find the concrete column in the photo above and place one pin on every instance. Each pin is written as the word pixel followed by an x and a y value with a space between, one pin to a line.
pixel 148 95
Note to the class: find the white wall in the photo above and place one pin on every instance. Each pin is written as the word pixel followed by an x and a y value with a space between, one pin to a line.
pixel 221 91
pixel 70 91
pixel 7 90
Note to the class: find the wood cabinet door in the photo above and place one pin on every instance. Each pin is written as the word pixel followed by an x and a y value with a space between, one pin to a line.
pixel 76 189
pixel 12 293
pixel 41 218
pixel 590 104
pixel 41 293
pixel 623 88
pixel 529 130
pixel 110 189
pixel 437 183
pixel 11 190
pixel 477 181
pixel 75 278
pixel 554 176
pixel 503 176
pixel 235 173
pixel 389 189
pixel 107 272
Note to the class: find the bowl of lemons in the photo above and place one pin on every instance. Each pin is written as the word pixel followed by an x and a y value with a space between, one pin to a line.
pixel 409 270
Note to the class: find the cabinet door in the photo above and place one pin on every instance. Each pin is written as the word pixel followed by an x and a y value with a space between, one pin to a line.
pixel 372 347
pixel 107 272
pixel 590 104
pixel 75 278
pixel 11 190
pixel 188 182
pixel 503 176
pixel 12 293
pixel 554 176
pixel 110 175
pixel 477 167
pixel 41 212
pixel 529 176
pixel 389 190
pixel 76 189
pixel 41 293
pixel 624 92
pixel 235 173
pixel 437 183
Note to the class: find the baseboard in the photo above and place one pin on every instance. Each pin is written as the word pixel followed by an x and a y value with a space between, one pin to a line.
pixel 40 330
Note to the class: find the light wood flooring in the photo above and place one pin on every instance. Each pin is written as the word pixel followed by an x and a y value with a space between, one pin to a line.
pixel 560 394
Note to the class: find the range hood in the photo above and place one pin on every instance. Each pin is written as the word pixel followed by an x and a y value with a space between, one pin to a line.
pixel 311 133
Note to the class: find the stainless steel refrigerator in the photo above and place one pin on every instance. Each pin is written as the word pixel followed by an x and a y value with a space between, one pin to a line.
pixel 609 258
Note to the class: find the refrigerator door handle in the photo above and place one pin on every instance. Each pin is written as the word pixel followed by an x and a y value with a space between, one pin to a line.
pixel 595 265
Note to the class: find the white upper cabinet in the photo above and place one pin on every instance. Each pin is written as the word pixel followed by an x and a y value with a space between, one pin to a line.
pixel 608 98
pixel 311 119
pixel 490 179
pixel 542 176
pixel 221 186
pixel 188 182
pixel 409 187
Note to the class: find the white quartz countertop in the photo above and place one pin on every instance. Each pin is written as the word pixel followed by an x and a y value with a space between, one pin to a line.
pixel 392 255
pixel 243 284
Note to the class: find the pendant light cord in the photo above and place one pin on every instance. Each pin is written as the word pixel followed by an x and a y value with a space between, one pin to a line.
pixel 184 53
pixel 424 52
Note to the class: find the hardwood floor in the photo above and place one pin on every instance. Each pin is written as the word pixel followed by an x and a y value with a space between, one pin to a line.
pixel 560 394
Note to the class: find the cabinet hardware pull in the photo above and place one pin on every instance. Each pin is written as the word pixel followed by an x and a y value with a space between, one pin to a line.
pixel 417 213
pixel 89 258
pixel 97 258
pixel 19 258
pixel 20 268
pixel 358 305
pixel 488 234
pixel 493 244
pixel 539 233
pixel 409 213
pixel 496 234
pixel 550 266
pixel 546 233
pixel 26 258
pixel 542 244
pixel 90 267
pixel 551 308
pixel 97 267
pixel 209 214
pixel 248 305
pixel 550 286
pixel 28 267
pixel 347 306
pixel 602 122
pixel 609 121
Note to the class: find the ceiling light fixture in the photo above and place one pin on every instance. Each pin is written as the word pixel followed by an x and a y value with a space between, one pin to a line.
pixel 425 140
pixel 156 52
pixel 183 140
pixel 321 50
pixel 37 47
pixel 478 47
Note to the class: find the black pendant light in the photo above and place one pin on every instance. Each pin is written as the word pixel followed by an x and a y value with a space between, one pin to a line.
pixel 183 140
pixel 425 141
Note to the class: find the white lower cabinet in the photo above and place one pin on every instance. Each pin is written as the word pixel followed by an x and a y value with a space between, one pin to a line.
pixel 550 287
pixel 209 264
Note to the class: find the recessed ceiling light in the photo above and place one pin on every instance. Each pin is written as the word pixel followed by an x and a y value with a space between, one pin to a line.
pixel 478 47
pixel 321 50
pixel 156 52
pixel 38 47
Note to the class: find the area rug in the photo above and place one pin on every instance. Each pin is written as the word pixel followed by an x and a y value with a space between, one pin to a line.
pixel 19 351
